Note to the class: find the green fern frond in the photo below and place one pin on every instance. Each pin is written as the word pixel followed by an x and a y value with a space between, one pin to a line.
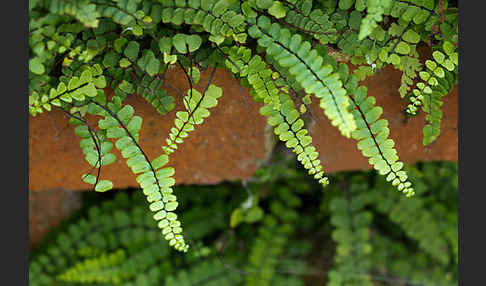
pixel 374 143
pixel 78 88
pixel 372 134
pixel 279 108
pixel 155 181
pixel 289 126
pixel 305 64
pixel 437 81
pixel 197 106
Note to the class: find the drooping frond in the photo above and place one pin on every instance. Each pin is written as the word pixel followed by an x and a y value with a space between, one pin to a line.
pixel 289 126
pixel 279 108
pixel 372 134
pixel 155 180
pixel 438 79
pixel 374 143
pixel 197 109
pixel 309 70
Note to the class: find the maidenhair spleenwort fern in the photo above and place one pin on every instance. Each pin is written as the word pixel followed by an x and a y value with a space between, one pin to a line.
pixel 279 49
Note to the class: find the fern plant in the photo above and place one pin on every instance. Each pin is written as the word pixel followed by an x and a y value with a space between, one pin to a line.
pixel 283 50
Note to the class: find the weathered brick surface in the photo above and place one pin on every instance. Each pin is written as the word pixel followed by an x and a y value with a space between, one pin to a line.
pixel 232 141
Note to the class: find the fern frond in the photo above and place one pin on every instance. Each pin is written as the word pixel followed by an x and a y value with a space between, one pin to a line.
pixel 289 126
pixel 374 143
pixel 438 79
pixel 372 134
pixel 305 64
pixel 197 106
pixel 279 108
pixel 155 181
pixel 78 89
